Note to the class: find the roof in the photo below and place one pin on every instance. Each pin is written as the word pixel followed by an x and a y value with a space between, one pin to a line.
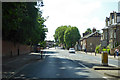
pixel 89 35
pixel 106 27
pixel 118 14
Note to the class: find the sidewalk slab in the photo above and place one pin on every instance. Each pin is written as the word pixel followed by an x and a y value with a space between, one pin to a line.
pixel 13 65
pixel 109 71
pixel 98 54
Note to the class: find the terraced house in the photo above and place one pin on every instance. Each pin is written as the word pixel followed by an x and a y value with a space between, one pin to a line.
pixel 90 41
pixel 111 32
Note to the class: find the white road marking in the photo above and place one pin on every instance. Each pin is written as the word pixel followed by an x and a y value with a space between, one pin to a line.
pixel 83 65
pixel 105 78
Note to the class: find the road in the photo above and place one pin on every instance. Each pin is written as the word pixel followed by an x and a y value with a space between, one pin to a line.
pixel 58 63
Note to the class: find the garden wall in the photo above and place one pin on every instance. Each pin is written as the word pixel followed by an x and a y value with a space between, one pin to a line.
pixel 14 49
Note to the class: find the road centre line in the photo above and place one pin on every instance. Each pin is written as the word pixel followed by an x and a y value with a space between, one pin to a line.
pixel 83 65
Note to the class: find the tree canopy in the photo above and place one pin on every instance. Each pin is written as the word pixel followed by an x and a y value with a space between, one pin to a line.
pixel 71 36
pixel 22 22
pixel 88 31
pixel 67 35
pixel 59 34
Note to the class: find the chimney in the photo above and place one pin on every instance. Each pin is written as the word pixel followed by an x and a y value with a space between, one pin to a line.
pixel 115 17
pixel 93 30
pixel 106 20
pixel 110 18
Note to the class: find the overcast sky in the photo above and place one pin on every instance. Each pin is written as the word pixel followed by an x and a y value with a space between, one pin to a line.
pixel 80 13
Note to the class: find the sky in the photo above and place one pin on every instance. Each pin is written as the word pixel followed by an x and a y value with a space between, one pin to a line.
pixel 80 13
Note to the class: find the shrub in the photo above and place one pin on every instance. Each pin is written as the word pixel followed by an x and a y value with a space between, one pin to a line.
pixel 97 49
pixel 105 49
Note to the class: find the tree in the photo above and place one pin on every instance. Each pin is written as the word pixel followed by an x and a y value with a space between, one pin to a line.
pixel 88 31
pixel 22 23
pixel 67 35
pixel 71 36
pixel 59 34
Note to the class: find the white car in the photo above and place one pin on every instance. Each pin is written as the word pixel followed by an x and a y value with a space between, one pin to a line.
pixel 47 47
pixel 71 50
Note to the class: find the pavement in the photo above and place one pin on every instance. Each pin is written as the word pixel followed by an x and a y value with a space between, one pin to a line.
pixel 110 71
pixel 98 54
pixel 13 65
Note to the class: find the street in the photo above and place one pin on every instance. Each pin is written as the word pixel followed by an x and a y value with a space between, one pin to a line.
pixel 58 63
pixel 63 39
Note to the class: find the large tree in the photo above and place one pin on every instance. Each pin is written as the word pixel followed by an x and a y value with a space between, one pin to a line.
pixel 59 34
pixel 22 23
pixel 71 36
pixel 67 35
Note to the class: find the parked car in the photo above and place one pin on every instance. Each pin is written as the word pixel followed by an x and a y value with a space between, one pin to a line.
pixel 71 50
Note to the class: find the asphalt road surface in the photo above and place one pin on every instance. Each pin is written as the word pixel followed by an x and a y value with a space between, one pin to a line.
pixel 58 63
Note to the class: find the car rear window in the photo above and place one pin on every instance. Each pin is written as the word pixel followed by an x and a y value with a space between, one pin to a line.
pixel 71 48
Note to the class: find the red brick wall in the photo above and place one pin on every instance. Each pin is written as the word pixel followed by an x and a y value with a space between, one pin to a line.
pixel 11 49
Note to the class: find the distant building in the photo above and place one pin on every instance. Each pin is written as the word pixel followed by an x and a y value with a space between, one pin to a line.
pixel 90 41
pixel 49 43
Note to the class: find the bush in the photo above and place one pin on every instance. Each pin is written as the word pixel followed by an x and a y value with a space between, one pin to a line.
pixel 108 50
pixel 97 49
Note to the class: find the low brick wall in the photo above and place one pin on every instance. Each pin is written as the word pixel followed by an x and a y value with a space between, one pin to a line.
pixel 14 49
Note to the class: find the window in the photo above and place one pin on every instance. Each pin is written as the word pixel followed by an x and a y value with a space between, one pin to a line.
pixel 90 44
pixel 118 19
pixel 115 35
pixel 105 35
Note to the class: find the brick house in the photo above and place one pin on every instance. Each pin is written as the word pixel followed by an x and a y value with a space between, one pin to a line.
pixel 111 32
pixel 90 41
